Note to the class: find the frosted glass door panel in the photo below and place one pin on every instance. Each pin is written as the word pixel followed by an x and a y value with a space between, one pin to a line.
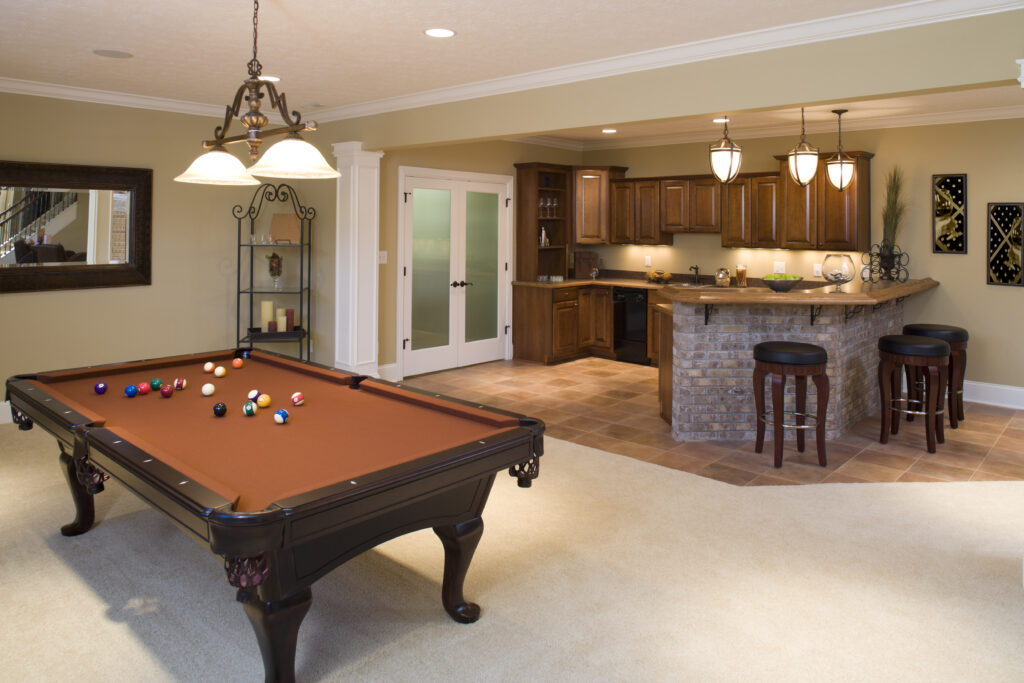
pixel 481 266
pixel 431 268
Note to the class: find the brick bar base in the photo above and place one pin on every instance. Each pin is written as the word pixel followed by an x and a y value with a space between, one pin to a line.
pixel 712 365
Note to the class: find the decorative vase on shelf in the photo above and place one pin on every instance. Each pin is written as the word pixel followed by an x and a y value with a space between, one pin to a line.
pixel 274 266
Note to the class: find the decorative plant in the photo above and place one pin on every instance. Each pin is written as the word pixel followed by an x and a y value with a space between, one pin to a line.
pixel 892 212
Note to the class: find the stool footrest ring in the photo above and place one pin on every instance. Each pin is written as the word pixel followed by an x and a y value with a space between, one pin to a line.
pixel 767 418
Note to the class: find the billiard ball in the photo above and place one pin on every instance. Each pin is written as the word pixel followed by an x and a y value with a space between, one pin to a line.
pixel 254 394
pixel 208 389
pixel 144 388
pixel 263 400
pixel 207 367
pixel 220 410
pixel 100 388
pixel 249 409
pixel 131 390
pixel 156 383
pixel 180 383
pixel 236 363
pixel 167 391
pixel 219 371
pixel 281 416
pixel 298 399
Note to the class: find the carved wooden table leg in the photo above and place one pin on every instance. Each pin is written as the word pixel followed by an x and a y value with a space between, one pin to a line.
pixel 85 508
pixel 277 630
pixel 460 541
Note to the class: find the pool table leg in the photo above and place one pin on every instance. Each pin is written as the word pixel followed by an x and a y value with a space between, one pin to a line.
pixel 277 630
pixel 85 508
pixel 459 541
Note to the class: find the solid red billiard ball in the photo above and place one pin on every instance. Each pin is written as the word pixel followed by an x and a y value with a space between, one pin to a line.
pixel 236 363
pixel 167 391
pixel 143 388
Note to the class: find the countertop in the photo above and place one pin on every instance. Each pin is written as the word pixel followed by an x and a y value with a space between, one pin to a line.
pixel 854 293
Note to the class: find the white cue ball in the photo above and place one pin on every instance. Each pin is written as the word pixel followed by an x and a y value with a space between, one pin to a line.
pixel 208 389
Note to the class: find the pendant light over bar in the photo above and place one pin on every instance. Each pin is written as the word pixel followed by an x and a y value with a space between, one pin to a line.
pixel 292 157
pixel 840 167
pixel 803 159
pixel 726 155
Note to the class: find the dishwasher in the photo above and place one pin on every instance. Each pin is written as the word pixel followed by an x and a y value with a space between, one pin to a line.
pixel 629 305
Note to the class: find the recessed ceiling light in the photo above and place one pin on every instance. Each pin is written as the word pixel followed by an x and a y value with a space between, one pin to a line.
pixel 609 130
pixel 721 119
pixel 113 54
pixel 440 32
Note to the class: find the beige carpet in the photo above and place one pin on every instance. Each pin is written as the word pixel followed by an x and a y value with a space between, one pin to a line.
pixel 607 569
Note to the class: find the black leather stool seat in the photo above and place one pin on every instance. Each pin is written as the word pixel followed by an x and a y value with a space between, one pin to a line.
pixel 790 353
pixel 912 345
pixel 947 333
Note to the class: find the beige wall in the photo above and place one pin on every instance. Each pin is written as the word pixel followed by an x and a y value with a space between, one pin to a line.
pixel 190 305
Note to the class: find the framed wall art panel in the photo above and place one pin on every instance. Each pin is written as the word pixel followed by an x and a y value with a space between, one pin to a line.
pixel 949 213
pixel 1005 242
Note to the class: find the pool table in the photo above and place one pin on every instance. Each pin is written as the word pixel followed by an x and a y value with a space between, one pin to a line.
pixel 360 462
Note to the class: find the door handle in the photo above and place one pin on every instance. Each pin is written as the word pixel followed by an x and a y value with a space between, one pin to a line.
pixel 463 283
pixel 455 283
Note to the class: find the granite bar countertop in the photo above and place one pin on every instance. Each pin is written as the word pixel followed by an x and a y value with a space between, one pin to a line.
pixel 812 293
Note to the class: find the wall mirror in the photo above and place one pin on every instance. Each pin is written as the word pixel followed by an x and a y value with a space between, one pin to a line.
pixel 74 227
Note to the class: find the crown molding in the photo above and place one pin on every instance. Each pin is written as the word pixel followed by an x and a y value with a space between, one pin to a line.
pixel 779 130
pixel 907 15
pixel 117 99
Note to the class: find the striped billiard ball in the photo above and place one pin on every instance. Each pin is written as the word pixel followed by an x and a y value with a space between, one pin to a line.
pixel 298 399
pixel 180 383
pixel 249 409
pixel 281 416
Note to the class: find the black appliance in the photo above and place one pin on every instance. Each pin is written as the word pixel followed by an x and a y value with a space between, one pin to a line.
pixel 630 322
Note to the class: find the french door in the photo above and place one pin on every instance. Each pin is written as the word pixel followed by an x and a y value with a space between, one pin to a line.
pixel 455 276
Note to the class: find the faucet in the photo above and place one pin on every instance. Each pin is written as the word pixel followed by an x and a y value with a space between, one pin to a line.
pixel 696 274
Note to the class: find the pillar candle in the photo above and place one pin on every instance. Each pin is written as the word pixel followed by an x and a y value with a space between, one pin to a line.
pixel 266 313
pixel 271 326
pixel 289 316
pixel 282 324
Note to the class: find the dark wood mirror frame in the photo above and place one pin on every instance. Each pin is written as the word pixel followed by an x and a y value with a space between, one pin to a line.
pixel 82 276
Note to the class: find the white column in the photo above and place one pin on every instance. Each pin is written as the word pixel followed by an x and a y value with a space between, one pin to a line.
pixel 356 272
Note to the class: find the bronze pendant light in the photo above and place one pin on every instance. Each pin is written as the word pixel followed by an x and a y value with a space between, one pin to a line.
pixel 803 159
pixel 839 168
pixel 726 156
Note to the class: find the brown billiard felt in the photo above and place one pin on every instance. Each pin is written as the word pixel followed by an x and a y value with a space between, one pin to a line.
pixel 339 434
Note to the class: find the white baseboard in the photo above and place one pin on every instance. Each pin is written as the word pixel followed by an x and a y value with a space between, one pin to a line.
pixel 994 394
pixel 367 368
pixel 390 372
pixel 5 413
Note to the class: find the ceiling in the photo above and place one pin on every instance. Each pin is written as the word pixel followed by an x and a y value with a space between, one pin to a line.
pixel 338 60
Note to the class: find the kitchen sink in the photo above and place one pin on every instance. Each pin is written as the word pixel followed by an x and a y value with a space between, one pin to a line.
pixel 689 285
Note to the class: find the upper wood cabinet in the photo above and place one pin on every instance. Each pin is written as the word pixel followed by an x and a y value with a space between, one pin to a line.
pixel 690 205
pixel 592 202
pixel 636 213
pixel 821 217
pixel 752 211
pixel 543 202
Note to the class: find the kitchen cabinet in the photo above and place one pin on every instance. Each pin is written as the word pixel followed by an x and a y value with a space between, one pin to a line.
pixel 691 205
pixel 819 216
pixel 636 213
pixel 663 313
pixel 592 210
pixel 752 208
pixel 552 324
pixel 595 321
pixel 544 201
pixel 654 322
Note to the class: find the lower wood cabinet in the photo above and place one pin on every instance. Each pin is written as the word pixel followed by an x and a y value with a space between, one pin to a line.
pixel 663 313
pixel 595 321
pixel 553 324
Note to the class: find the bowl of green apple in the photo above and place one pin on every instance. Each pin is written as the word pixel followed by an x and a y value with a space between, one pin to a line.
pixel 781 282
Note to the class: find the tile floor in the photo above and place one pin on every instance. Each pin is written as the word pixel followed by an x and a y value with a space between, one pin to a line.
pixel 614 407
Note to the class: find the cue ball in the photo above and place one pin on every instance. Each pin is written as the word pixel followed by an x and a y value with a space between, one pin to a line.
pixel 180 383
pixel 207 367
pixel 131 390
pixel 156 383
pixel 281 416
pixel 143 388
pixel 220 410
pixel 249 409
pixel 208 389
pixel 100 388
pixel 219 371
pixel 263 400
pixel 167 391
pixel 254 394
pixel 298 399
pixel 236 363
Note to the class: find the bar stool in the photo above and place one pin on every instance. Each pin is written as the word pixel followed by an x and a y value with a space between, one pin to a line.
pixel 782 359
pixel 929 355
pixel 956 337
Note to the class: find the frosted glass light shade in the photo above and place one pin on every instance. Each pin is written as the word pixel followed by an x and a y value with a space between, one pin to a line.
pixel 293 157
pixel 726 157
pixel 839 170
pixel 217 167
pixel 803 163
